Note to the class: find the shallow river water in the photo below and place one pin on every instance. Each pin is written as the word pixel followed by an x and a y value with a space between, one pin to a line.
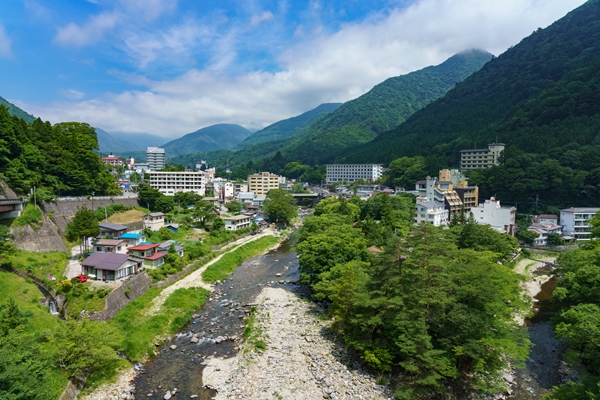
pixel 221 316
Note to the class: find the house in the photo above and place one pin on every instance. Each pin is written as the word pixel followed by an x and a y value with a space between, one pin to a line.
pixel 237 222
pixel 502 219
pixel 173 227
pixel 154 221
pixel 245 197
pixel 149 253
pixel 576 222
pixel 111 230
pixel 432 212
pixel 165 246
pixel 133 238
pixel 543 230
pixel 543 218
pixel 110 266
pixel 111 246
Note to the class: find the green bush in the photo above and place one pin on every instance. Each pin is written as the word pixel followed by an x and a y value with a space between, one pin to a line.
pixel 30 216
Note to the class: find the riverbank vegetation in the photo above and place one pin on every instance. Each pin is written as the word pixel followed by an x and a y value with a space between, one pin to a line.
pixel 433 307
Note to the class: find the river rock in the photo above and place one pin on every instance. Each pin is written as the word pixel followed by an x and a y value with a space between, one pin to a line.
pixel 167 396
pixel 194 339
pixel 173 347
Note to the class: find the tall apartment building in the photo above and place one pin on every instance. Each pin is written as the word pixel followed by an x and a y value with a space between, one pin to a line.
pixel 481 158
pixel 171 182
pixel 261 183
pixel 576 222
pixel 155 157
pixel 452 189
pixel 353 172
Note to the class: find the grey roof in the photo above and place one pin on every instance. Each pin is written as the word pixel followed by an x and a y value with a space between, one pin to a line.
pixel 581 210
pixel 105 261
pixel 157 214
pixel 108 242
pixel 167 245
pixel 475 151
pixel 111 226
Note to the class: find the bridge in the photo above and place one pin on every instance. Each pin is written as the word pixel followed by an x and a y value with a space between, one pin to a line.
pixel 307 198
pixel 11 207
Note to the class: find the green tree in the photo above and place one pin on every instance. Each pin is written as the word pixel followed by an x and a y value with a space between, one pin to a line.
pixel 595 225
pixel 204 212
pixel 555 239
pixel 83 226
pixel 526 236
pixel 280 206
pixel 218 225
pixel 234 207
pixel 11 317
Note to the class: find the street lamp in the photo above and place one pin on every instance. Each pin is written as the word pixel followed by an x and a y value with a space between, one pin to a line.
pixel 93 200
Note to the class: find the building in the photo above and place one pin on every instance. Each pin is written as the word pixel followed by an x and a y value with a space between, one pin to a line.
pixel 149 253
pixel 224 191
pixel 112 160
pixel 481 158
pixel 155 157
pixel 110 266
pixel 544 218
pixel 140 168
pixel 432 212
pixel 543 230
pixel 237 222
pixel 239 188
pixel 261 183
pixel 353 172
pixel 133 239
pixel 452 189
pixel 502 219
pixel 165 246
pixel 171 182
pixel 245 197
pixel 111 246
pixel 112 230
pixel 154 221
pixel 576 222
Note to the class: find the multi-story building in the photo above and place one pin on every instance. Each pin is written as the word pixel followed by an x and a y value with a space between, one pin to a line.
pixel 432 212
pixel 112 160
pixel 490 212
pixel 171 182
pixel 576 222
pixel 155 157
pixel 353 172
pixel 543 230
pixel 239 188
pixel 481 158
pixel 237 222
pixel 261 183
pixel 154 221
pixel 452 189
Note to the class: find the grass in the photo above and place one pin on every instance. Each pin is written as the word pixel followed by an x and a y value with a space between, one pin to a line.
pixel 84 296
pixel 221 269
pixel 139 330
pixel 253 333
pixel 30 216
pixel 39 264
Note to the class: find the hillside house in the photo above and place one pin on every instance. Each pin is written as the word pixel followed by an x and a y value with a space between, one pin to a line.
pixel 109 229
pixel 149 253
pixel 237 222
pixel 133 238
pixel 110 267
pixel 110 246
pixel 165 246
pixel 154 221
pixel 543 230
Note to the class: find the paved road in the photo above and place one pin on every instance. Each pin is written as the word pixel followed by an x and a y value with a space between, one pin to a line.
pixel 74 267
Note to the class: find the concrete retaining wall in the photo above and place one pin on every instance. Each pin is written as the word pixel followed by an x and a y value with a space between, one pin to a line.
pixel 132 288
pixel 45 239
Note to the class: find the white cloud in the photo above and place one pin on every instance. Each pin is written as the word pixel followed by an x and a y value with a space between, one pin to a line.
pixel 321 68
pixel 72 94
pixel 148 9
pixel 90 32
pixel 257 19
pixel 5 44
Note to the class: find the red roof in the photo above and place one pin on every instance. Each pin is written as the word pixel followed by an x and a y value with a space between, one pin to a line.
pixel 143 247
pixel 155 256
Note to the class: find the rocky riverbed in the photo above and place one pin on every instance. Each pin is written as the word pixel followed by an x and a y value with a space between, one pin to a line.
pixel 302 359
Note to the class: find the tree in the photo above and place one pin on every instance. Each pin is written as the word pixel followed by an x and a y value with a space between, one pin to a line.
pixel 526 236
pixel 204 212
pixel 84 225
pixel 280 206
pixel 218 224
pixel 234 207
pixel 11 316
pixel 555 239
pixel 595 225
pixel 6 245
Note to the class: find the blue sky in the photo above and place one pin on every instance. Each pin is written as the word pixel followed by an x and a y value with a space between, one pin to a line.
pixel 170 67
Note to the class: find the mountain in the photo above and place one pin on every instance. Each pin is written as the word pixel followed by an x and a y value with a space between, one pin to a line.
pixel 210 138
pixel 280 130
pixel 14 110
pixel 538 96
pixel 110 144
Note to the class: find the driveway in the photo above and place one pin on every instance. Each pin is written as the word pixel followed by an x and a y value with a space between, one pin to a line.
pixel 74 267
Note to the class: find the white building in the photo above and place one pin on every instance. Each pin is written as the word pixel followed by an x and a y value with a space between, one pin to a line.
pixel 353 172
pixel 171 182
pixel 239 187
pixel 543 230
pixel 432 212
pixel 503 219
pixel 575 222
pixel 154 221
pixel 155 157
pixel 223 190
pixel 245 197
pixel 481 158
pixel 237 222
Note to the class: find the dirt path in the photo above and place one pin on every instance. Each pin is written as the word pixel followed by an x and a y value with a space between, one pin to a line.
pixel 74 267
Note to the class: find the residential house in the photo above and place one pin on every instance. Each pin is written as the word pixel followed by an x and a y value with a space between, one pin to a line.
pixel 173 227
pixel 503 219
pixel 237 222
pixel 245 197
pixel 110 266
pixel 111 230
pixel 149 252
pixel 165 246
pixel 133 238
pixel 110 246
pixel 543 218
pixel 432 212
pixel 576 222
pixel 543 230
pixel 154 221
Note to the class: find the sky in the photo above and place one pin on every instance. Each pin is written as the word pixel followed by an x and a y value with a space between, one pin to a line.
pixel 170 67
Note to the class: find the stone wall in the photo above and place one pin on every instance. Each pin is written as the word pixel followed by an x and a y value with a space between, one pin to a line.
pixel 132 288
pixel 47 238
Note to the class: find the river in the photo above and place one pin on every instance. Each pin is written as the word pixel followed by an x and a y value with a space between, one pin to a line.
pixel 222 315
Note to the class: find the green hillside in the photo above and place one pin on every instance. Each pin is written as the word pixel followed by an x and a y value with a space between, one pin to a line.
pixel 282 129
pixel 110 144
pixel 541 98
pixel 16 111
pixel 210 138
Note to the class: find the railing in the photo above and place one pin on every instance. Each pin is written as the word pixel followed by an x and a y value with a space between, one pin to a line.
pixel 12 201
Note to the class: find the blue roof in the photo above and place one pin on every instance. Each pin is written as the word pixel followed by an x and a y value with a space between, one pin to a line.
pixel 130 236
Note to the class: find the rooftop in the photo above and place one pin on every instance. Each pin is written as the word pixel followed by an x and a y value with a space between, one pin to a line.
pixel 130 235
pixel 112 226
pixel 108 242
pixel 156 256
pixel 236 218
pixel 143 247
pixel 105 261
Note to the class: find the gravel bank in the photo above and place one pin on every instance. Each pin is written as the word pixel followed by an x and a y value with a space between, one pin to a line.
pixel 301 360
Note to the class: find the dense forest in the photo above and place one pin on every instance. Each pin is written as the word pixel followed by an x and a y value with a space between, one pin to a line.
pixel 433 309
pixel 57 159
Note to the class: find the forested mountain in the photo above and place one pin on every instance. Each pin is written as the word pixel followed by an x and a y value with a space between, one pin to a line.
pixel 210 138
pixel 541 97
pixel 14 110
pixel 110 144
pixel 57 159
pixel 281 129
